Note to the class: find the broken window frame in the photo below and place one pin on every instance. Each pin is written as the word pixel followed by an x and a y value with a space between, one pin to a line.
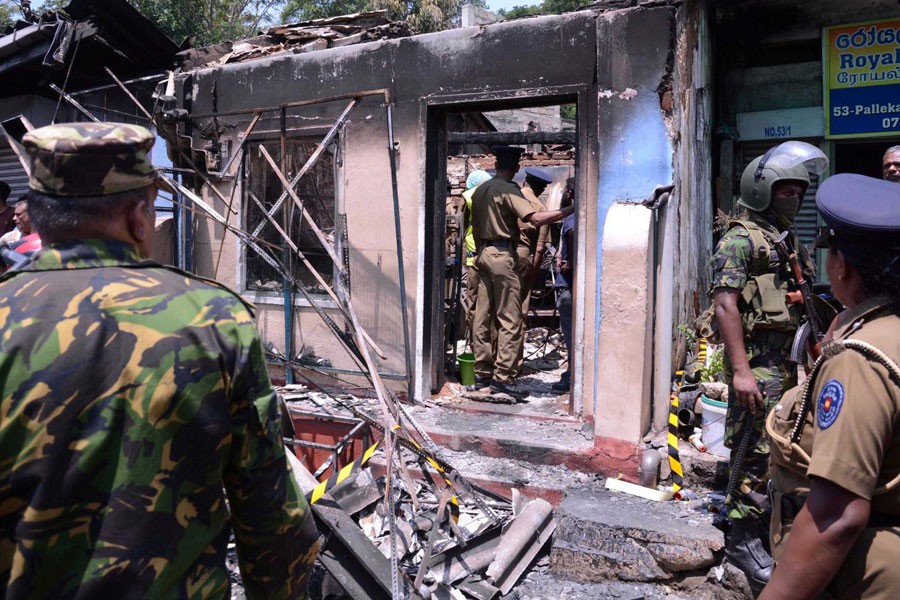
pixel 252 216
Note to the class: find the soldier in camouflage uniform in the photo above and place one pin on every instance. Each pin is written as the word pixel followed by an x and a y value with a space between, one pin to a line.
pixel 756 324
pixel 138 426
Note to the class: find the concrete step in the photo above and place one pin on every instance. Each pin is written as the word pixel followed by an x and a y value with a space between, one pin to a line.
pixel 521 434
pixel 502 475
pixel 605 537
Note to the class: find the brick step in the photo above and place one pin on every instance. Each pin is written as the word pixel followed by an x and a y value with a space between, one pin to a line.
pixel 532 438
pixel 502 475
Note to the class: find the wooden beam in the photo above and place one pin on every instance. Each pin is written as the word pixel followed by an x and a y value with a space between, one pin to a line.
pixel 501 138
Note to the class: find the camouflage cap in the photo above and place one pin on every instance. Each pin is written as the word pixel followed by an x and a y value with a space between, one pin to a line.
pixel 90 159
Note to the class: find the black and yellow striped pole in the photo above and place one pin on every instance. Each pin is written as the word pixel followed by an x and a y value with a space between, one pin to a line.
pixel 701 352
pixel 674 459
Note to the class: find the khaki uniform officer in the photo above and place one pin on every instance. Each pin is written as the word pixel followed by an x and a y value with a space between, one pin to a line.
pixel 530 251
pixel 496 207
pixel 838 485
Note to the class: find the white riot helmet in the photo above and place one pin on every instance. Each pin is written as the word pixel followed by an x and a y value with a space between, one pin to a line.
pixel 790 161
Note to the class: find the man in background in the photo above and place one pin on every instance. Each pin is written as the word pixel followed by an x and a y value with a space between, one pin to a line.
pixel 470 272
pixel 21 220
pixel 890 164
pixel 530 250
pixel 563 282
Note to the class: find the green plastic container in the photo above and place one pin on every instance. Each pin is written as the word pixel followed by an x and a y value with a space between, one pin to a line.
pixel 466 368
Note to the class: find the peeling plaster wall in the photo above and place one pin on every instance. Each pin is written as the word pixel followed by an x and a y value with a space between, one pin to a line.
pixel 626 329
pixel 687 239
pixel 635 155
pixel 617 63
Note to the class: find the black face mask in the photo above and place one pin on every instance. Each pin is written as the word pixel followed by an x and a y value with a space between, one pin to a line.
pixel 785 211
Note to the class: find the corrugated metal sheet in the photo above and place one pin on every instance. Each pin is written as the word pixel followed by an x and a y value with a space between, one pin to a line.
pixel 12 173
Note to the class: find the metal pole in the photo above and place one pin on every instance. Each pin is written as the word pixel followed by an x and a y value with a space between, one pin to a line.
pixel 74 103
pixel 400 271
pixel 287 283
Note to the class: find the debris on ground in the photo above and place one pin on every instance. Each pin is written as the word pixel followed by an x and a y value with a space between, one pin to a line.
pixel 545 362
pixel 452 536
pixel 490 545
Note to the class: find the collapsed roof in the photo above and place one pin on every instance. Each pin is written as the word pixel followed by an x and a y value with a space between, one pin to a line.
pixel 87 35
pixel 297 38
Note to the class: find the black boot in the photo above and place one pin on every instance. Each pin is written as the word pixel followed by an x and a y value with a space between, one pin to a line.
pixel 744 549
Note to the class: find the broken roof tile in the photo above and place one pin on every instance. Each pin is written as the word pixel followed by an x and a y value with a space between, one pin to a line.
pixel 295 38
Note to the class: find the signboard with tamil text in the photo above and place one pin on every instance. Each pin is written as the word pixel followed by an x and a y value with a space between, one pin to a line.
pixel 861 65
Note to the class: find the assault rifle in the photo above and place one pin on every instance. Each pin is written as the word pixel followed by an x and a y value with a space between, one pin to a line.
pixel 812 330
pixel 740 452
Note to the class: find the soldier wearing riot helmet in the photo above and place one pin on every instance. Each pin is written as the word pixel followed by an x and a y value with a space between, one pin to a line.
pixel 756 324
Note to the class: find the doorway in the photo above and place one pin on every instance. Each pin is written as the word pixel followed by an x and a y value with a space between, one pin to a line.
pixel 459 142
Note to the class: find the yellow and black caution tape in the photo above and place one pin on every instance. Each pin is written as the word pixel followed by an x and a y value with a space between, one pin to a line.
pixel 352 468
pixel 342 475
pixel 701 351
pixel 453 503
pixel 674 459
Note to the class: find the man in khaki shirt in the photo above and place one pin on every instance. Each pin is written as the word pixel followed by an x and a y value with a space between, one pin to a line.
pixel 530 251
pixel 497 206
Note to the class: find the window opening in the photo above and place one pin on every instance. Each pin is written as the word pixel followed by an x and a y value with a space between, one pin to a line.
pixel 316 191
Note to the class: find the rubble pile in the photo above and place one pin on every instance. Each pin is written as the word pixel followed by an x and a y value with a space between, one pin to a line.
pixel 445 555
pixel 342 30
pixel 451 538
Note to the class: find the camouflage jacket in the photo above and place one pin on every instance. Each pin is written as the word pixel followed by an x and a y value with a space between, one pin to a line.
pixel 135 403
pixel 769 321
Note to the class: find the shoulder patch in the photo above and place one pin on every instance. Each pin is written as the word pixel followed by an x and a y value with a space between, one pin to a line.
pixel 828 406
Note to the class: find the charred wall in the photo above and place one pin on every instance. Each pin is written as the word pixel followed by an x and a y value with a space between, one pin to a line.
pixel 619 66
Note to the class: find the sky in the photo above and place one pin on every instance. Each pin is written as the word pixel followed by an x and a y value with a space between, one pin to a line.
pixel 496 5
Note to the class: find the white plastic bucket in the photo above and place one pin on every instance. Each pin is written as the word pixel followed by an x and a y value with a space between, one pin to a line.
pixel 714 426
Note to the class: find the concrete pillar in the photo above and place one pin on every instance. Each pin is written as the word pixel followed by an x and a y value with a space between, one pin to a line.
pixel 624 356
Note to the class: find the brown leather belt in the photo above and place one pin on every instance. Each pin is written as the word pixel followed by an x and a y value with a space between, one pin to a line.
pixel 504 244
